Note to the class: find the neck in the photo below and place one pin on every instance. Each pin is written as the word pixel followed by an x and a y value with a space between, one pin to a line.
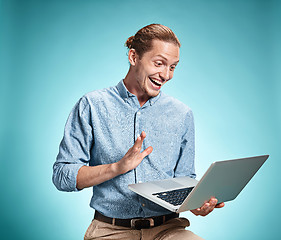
pixel 134 88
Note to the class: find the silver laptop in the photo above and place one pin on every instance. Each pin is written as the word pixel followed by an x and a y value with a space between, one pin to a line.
pixel 223 180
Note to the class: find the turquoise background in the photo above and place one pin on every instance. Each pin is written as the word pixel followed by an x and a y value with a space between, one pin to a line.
pixel 53 52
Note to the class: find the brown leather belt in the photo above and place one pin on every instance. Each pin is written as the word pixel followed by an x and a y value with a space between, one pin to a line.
pixel 136 223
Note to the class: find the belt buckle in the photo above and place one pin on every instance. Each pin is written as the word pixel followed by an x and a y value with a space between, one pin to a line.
pixel 136 223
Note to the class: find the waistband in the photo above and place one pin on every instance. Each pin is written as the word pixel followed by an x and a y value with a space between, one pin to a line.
pixel 136 223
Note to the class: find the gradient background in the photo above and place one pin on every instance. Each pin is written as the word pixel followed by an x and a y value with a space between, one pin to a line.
pixel 53 52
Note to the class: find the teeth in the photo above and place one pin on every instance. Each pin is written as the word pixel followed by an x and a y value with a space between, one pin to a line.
pixel 157 81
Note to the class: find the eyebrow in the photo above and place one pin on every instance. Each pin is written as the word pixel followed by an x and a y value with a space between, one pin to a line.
pixel 159 55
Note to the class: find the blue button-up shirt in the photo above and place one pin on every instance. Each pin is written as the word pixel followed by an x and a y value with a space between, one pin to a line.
pixel 102 127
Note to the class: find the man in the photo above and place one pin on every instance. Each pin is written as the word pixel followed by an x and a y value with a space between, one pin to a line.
pixel 131 133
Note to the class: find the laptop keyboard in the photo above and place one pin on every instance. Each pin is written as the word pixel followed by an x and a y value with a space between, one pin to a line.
pixel 174 197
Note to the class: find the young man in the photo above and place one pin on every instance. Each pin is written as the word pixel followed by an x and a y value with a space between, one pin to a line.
pixel 131 133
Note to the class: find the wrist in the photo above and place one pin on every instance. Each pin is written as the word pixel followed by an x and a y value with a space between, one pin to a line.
pixel 115 169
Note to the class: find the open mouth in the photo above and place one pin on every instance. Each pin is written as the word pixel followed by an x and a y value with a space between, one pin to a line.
pixel 157 83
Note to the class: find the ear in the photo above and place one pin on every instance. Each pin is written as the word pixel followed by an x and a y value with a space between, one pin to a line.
pixel 132 56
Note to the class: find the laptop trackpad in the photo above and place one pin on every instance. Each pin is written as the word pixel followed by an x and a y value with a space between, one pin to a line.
pixel 168 184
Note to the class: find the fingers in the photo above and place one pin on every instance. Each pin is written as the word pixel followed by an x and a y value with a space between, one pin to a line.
pixel 134 156
pixel 139 143
pixel 207 207
pixel 220 205
pixel 139 140
pixel 213 202
pixel 146 152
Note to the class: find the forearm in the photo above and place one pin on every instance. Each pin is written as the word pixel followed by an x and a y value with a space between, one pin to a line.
pixel 89 176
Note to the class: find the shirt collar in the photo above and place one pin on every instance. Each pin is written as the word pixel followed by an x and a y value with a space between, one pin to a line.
pixel 154 99
pixel 125 94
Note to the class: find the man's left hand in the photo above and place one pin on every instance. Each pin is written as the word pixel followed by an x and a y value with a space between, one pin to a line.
pixel 207 207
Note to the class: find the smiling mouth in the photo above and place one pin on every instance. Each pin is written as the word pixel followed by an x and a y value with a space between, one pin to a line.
pixel 157 83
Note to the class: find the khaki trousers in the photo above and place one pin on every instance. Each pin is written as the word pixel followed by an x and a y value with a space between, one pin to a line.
pixel 172 229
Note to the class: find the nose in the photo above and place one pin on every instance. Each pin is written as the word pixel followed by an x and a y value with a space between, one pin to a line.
pixel 165 74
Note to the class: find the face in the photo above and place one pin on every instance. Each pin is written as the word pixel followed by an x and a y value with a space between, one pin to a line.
pixel 155 68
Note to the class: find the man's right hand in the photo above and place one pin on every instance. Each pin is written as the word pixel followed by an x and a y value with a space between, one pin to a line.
pixel 89 176
pixel 134 156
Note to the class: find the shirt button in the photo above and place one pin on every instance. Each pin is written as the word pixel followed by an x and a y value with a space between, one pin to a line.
pixel 143 205
pixel 138 113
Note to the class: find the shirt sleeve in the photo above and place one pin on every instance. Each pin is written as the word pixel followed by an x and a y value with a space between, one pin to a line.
pixel 74 149
pixel 185 164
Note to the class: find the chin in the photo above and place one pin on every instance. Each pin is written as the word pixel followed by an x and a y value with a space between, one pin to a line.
pixel 153 93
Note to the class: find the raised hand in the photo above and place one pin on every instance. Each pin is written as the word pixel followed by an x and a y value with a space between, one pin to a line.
pixel 134 156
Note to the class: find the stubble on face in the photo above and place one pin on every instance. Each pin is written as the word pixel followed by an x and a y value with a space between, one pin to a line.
pixel 155 68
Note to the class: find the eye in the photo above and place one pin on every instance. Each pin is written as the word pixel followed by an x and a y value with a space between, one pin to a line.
pixel 172 68
pixel 158 63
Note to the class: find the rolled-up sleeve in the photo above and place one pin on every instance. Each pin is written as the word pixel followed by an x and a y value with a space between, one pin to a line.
pixel 74 149
pixel 185 164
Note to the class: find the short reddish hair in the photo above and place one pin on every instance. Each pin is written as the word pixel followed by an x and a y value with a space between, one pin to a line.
pixel 142 40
